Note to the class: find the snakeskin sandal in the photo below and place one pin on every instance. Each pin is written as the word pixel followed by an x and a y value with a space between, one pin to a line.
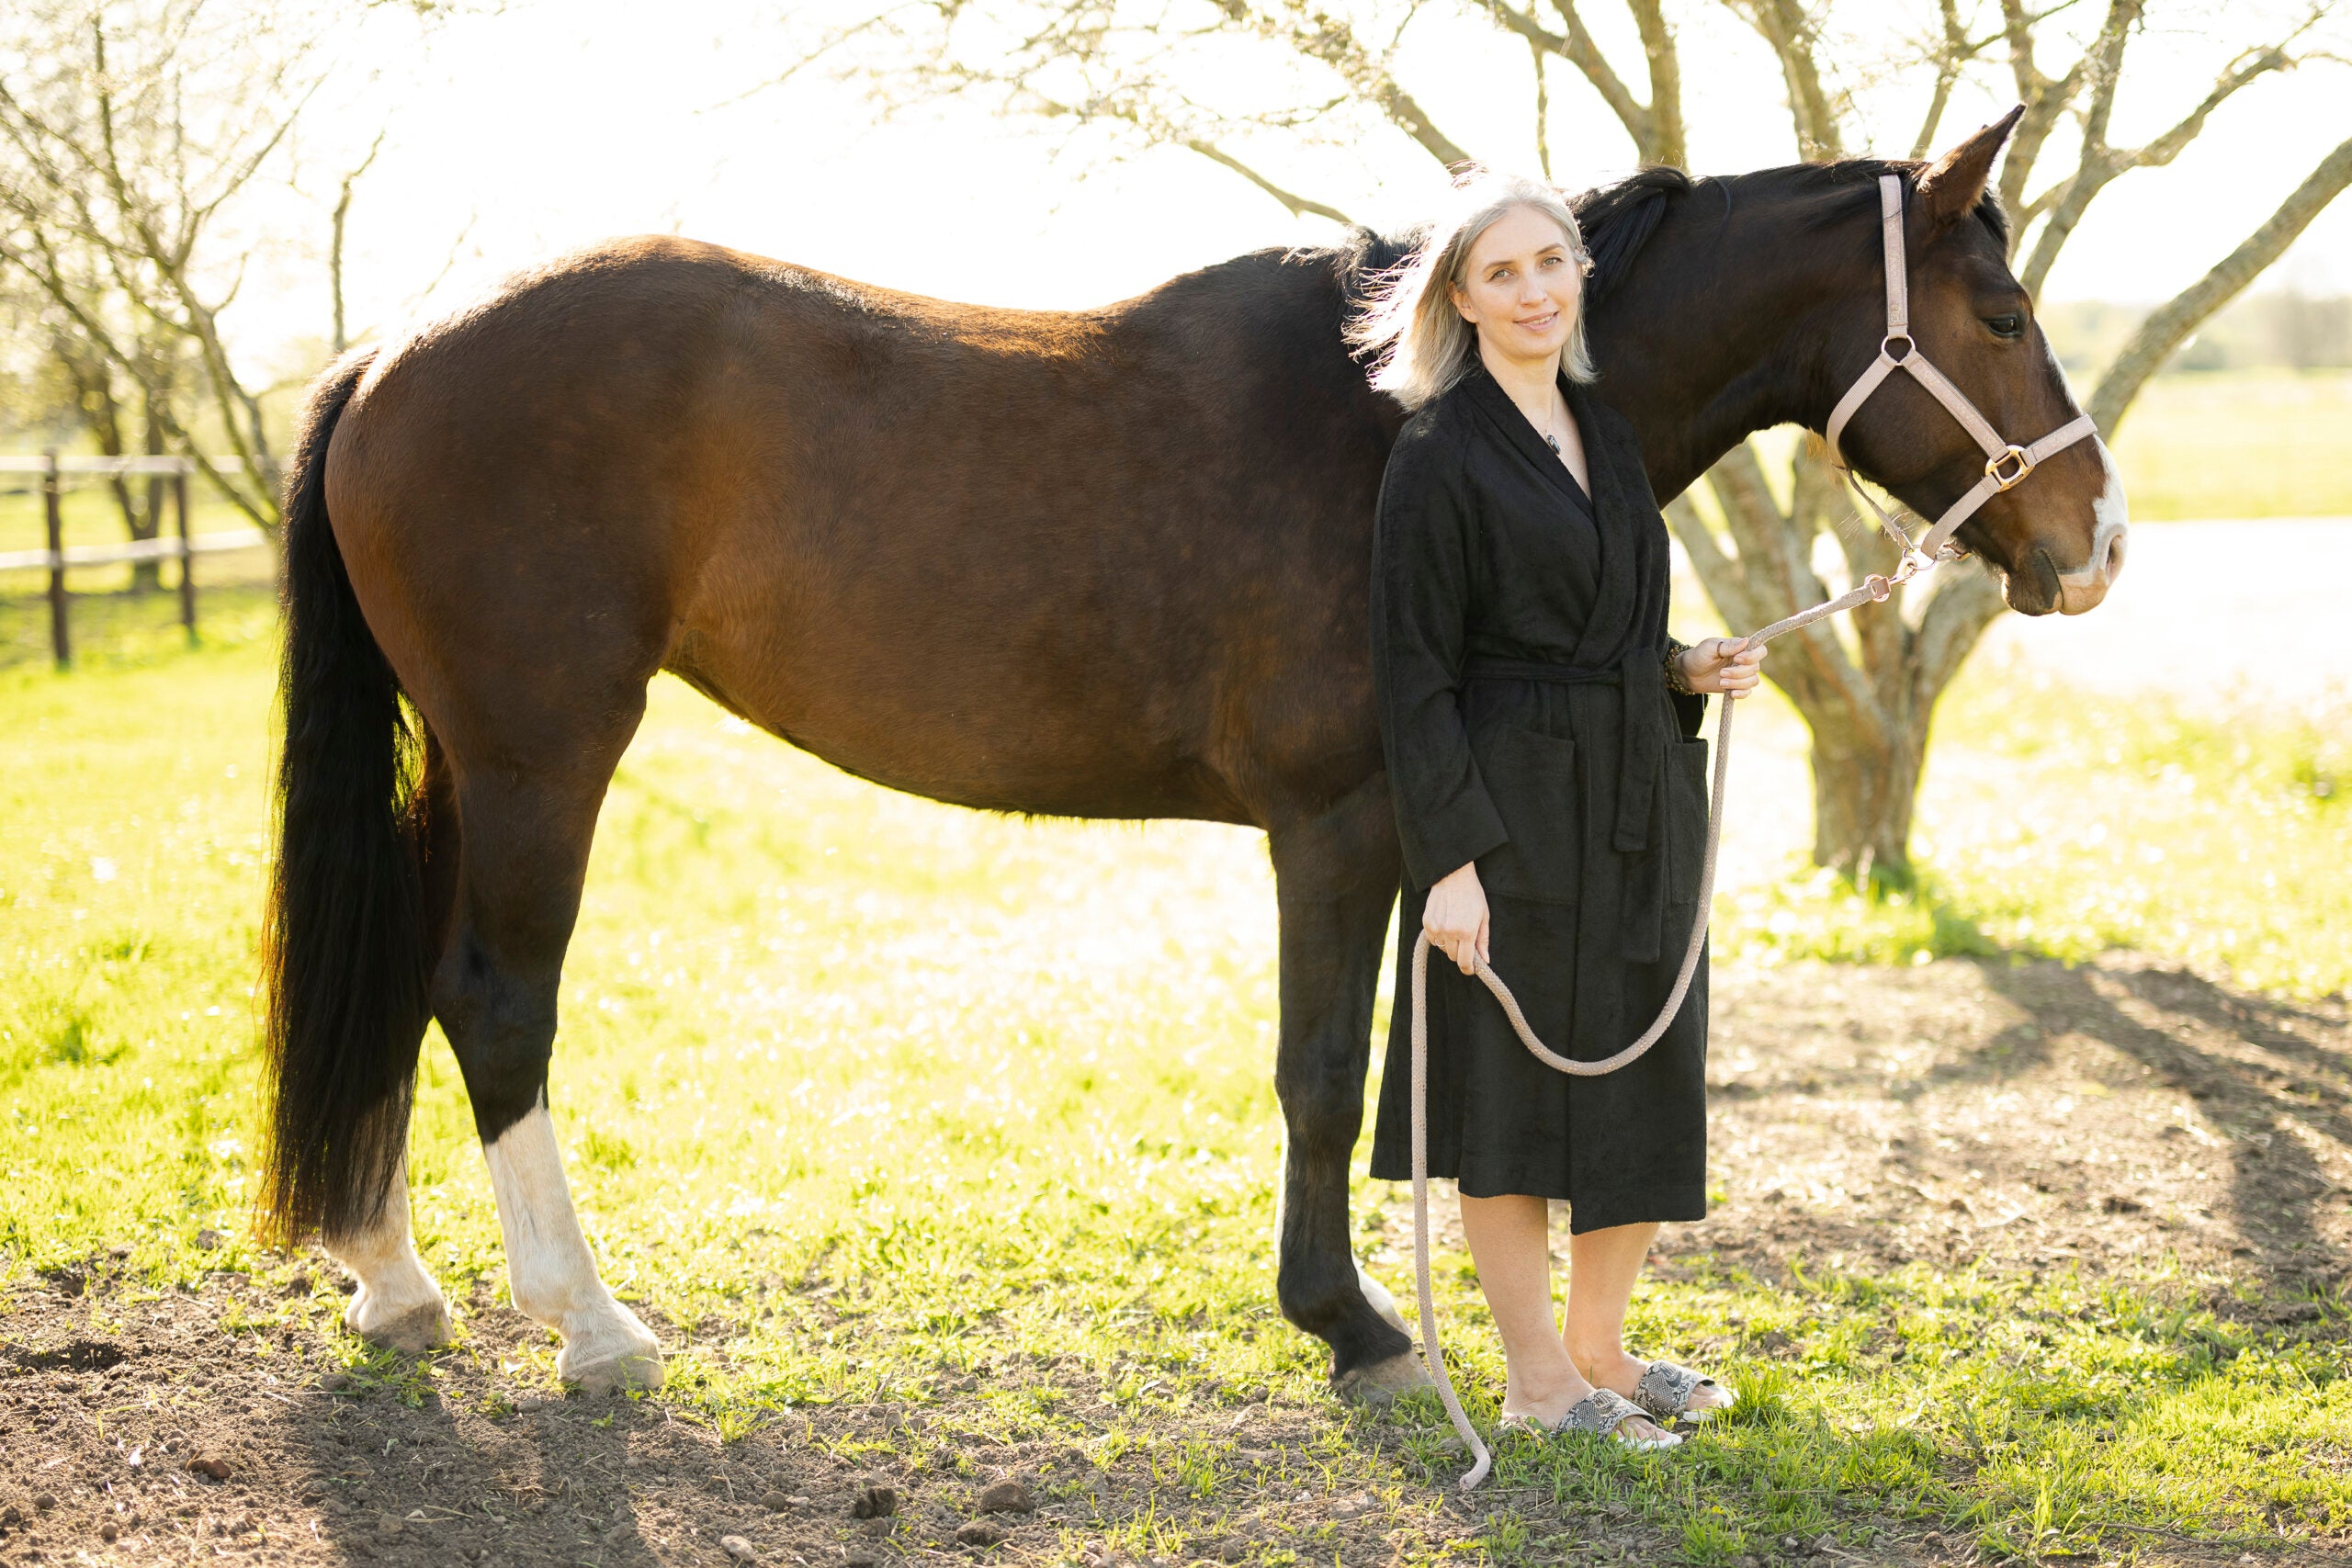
pixel 1665 1392
pixel 1599 1413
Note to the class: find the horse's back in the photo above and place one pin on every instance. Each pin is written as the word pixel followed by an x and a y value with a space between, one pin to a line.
pixel 1003 556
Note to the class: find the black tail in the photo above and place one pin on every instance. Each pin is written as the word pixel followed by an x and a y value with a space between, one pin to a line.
pixel 343 949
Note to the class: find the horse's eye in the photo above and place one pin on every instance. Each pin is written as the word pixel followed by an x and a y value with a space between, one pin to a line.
pixel 2010 325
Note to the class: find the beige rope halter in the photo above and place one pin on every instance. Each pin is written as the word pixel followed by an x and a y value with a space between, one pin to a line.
pixel 2005 465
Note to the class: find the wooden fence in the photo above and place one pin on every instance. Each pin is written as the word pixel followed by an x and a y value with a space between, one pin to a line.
pixel 181 545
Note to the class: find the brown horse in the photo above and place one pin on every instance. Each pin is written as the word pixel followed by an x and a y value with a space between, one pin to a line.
pixel 1097 563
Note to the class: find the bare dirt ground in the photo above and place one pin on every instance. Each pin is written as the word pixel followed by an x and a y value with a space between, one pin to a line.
pixel 2014 1117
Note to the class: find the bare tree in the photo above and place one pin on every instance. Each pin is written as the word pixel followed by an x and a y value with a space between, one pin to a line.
pixel 342 336
pixel 1137 73
pixel 107 411
pixel 128 132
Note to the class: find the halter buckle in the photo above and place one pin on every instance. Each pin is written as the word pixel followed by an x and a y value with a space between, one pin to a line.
pixel 2020 465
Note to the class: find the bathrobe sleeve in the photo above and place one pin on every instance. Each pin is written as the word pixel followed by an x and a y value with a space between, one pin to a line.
pixel 1420 591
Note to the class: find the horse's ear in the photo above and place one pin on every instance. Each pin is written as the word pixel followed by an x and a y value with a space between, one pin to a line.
pixel 1954 182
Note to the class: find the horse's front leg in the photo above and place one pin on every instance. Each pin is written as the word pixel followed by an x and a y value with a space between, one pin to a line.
pixel 1335 879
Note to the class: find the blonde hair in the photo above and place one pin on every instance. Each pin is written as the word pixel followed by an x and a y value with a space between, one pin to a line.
pixel 1424 344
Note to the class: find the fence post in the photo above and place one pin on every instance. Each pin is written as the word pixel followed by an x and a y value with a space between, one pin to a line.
pixel 60 637
pixel 188 556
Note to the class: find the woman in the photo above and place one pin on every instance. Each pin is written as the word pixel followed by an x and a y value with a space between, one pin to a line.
pixel 1539 732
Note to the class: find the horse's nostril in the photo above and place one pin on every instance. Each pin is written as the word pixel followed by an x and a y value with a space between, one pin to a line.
pixel 2111 566
pixel 2045 578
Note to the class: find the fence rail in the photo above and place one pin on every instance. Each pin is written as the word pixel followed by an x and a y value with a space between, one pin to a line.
pixel 44 463
pixel 57 558
pixel 136 550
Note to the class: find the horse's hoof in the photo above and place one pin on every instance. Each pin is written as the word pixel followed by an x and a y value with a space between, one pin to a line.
pixel 423 1328
pixel 613 1375
pixel 1379 1385
pixel 612 1356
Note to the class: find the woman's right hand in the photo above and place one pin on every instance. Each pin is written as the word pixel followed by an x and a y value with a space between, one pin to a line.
pixel 1455 917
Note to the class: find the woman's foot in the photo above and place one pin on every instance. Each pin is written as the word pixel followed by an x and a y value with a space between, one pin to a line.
pixel 1621 1374
pixel 1546 1407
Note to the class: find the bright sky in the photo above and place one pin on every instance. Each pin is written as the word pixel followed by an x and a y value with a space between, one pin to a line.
pixel 552 125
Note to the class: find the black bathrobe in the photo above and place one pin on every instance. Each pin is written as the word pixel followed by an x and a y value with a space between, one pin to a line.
pixel 1518 635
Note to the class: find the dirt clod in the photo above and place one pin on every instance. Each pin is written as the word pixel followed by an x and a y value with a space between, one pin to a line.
pixel 208 1239
pixel 43 1502
pixel 874 1503
pixel 110 1530
pixel 74 1355
pixel 212 1467
pixel 1007 1497
pixel 735 1546
pixel 778 1502
pixel 980 1532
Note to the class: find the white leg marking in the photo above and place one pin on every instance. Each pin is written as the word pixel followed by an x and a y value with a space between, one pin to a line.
pixel 397 1304
pixel 548 1268
pixel 1382 1301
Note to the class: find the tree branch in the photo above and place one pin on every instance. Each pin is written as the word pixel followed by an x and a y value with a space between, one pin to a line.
pixel 2170 323
pixel 1299 206
pixel 1578 50
pixel 2102 165
pixel 1318 35
pixel 1951 55
pixel 1786 26
pixel 1667 142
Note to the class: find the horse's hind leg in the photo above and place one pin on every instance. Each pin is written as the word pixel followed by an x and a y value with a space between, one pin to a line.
pixel 397 1302
pixel 527 828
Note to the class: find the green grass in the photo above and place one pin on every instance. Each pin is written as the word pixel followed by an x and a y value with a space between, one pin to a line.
pixel 2066 824
pixel 2218 443
pixel 876 1094
pixel 2240 444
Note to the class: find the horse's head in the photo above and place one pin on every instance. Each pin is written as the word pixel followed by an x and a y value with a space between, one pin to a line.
pixel 2057 535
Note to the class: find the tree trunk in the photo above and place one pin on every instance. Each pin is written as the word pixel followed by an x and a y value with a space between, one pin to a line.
pixel 141 516
pixel 1863 801
pixel 1868 702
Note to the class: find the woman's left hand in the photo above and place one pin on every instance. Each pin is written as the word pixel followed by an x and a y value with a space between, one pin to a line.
pixel 1725 664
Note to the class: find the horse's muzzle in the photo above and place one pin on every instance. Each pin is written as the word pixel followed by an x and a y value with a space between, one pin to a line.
pixel 2080 591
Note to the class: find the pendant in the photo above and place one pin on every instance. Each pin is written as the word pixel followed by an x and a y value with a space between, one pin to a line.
pixel 1553 443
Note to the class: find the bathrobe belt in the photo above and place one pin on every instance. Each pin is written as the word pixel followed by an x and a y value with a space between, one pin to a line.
pixel 1644 720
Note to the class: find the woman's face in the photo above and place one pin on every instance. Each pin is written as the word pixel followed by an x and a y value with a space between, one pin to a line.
pixel 1524 287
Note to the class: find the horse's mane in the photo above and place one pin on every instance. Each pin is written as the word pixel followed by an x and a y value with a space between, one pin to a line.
pixel 1619 219
pixel 1858 177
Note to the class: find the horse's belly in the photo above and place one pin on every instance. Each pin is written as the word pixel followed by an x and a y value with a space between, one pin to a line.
pixel 963 728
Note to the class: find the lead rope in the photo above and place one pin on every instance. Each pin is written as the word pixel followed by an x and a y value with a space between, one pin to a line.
pixel 1872 588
